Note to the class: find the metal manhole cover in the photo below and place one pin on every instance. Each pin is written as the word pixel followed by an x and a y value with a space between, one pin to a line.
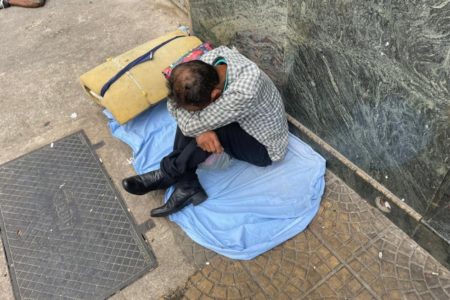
pixel 66 231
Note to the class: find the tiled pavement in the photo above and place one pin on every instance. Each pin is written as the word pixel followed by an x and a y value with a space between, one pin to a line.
pixel 350 251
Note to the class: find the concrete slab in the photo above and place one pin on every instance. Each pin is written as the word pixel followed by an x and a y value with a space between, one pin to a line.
pixel 43 52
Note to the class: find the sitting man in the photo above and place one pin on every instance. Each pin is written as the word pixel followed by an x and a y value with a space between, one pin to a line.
pixel 222 103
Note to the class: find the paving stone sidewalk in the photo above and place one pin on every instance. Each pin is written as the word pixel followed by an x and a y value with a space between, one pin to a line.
pixel 350 251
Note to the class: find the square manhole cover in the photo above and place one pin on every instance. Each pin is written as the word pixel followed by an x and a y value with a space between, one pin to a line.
pixel 66 230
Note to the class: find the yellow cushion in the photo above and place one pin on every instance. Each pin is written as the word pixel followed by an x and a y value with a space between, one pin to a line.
pixel 142 86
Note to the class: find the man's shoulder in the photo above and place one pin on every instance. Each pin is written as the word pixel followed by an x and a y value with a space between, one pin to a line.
pixel 217 52
pixel 242 73
pixel 232 56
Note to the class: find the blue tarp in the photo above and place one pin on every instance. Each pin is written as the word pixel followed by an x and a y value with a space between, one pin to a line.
pixel 249 209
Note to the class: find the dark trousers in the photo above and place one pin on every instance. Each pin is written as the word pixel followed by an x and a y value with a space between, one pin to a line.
pixel 186 155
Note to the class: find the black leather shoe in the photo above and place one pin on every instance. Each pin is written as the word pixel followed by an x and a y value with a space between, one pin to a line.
pixel 142 184
pixel 181 197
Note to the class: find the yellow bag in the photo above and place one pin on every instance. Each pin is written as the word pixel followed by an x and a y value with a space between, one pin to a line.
pixel 143 85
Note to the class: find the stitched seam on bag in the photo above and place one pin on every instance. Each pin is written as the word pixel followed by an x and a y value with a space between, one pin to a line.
pixel 136 82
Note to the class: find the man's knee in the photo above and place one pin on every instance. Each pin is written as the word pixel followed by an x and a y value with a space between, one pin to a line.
pixel 262 162
pixel 242 146
pixel 227 129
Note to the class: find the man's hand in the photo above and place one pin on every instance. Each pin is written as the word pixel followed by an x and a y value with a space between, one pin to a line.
pixel 209 142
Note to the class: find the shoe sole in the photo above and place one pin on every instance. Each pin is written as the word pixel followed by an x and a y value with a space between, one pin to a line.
pixel 195 199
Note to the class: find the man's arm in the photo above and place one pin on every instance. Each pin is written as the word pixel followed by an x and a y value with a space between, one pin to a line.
pixel 207 140
pixel 234 104
pixel 218 114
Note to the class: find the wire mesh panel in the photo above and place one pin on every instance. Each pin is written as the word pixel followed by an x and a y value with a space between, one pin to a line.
pixel 66 231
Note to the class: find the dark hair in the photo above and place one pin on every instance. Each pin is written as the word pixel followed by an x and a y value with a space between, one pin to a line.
pixel 191 83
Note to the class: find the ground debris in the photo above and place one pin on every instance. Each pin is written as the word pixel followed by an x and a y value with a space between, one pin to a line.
pixel 175 294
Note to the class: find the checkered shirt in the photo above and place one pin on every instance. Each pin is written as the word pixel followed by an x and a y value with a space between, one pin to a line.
pixel 251 99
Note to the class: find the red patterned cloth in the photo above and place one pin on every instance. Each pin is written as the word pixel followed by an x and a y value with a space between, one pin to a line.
pixel 194 54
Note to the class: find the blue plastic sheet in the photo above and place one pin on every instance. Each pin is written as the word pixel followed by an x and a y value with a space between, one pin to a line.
pixel 249 209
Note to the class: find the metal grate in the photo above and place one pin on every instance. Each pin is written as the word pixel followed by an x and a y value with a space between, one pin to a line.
pixel 66 231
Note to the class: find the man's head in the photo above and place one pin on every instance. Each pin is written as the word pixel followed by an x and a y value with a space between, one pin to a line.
pixel 193 85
